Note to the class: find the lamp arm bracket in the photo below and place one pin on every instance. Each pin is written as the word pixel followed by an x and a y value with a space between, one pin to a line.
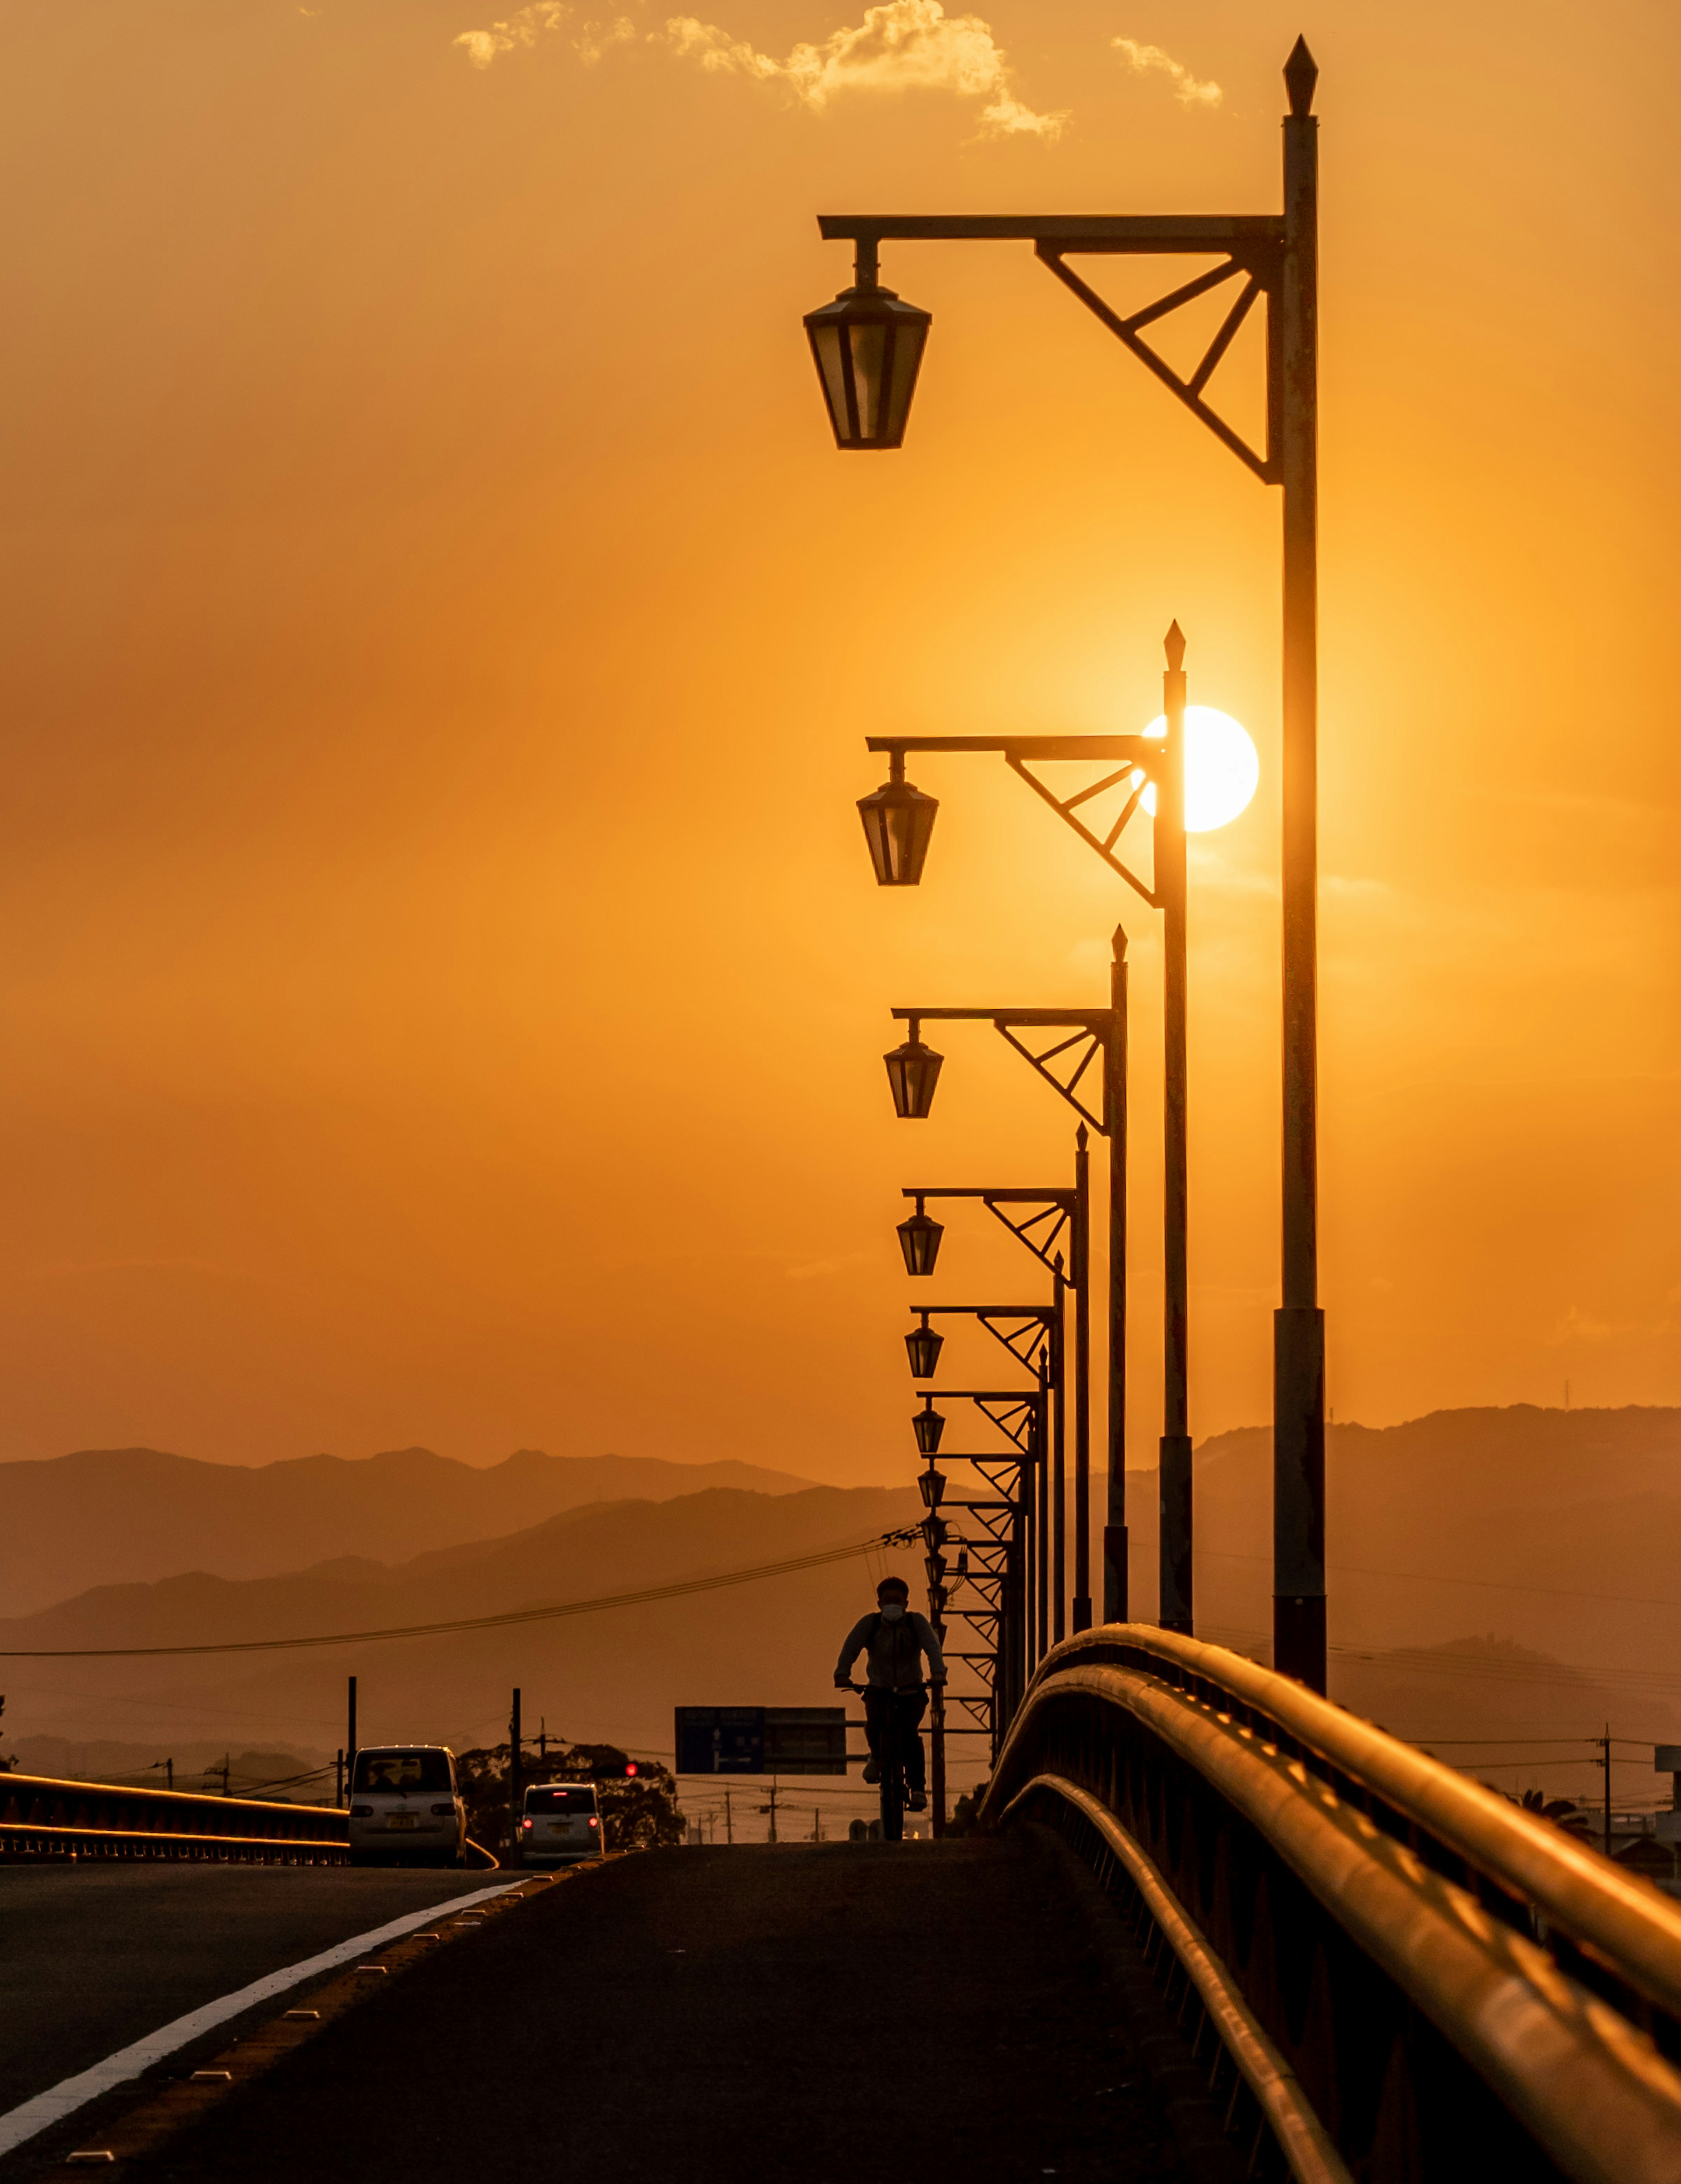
pixel 1043 1247
pixel 1265 273
pixel 1069 1091
pixel 1024 1340
pixel 1065 812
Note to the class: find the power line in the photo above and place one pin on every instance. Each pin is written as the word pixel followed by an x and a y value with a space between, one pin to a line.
pixel 550 1614
pixel 1436 1576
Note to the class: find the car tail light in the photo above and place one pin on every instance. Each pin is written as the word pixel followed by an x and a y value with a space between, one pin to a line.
pixel 527 1824
pixel 594 1822
pixel 444 1811
pixel 361 1811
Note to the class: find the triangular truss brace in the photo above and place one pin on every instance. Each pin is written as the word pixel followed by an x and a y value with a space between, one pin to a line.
pixel 1090 1045
pixel 1016 1418
pixel 1260 274
pixel 1041 1229
pixel 1026 1337
pixel 1135 775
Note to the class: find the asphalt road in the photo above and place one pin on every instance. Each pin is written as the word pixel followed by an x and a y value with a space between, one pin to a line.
pixel 817 2012
pixel 94 1956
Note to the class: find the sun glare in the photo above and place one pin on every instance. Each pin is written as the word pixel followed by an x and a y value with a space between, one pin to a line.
pixel 1222 768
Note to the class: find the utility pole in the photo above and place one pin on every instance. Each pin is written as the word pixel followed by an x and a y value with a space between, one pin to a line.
pixel 543 1738
pixel 1080 1616
pixel 1177 1599
pixel 1115 1601
pixel 1299 1630
pixel 1605 1744
pixel 513 1770
pixel 728 1819
pixel 338 1778
pixel 350 1728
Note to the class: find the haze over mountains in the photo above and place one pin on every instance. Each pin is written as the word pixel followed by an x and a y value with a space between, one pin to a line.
pixel 613 1675
pixel 118 1516
pixel 1471 1553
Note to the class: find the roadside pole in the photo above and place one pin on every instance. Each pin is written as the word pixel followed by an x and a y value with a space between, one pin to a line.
pixel 513 1774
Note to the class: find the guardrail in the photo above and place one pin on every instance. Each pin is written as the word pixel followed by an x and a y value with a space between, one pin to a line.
pixel 1391 1971
pixel 40 1818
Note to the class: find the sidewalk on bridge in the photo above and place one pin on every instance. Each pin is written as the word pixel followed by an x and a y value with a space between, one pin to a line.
pixel 809 2012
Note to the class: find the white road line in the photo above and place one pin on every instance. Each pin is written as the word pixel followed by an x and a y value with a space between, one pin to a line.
pixel 35 2115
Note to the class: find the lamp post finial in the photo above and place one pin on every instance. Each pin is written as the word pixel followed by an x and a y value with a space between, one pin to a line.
pixel 1301 74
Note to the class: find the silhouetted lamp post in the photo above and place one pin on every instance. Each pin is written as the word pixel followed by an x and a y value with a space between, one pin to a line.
pixel 1271 256
pixel 929 1425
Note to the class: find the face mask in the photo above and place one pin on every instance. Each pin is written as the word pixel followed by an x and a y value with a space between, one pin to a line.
pixel 891 1610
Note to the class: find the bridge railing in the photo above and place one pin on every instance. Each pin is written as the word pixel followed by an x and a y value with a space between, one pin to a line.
pixel 41 1817
pixel 1390 1971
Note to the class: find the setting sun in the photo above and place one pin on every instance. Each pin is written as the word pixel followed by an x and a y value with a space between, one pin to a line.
pixel 1222 768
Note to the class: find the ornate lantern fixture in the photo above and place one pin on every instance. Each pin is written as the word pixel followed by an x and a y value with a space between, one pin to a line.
pixel 913 1071
pixel 922 1345
pixel 867 346
pixel 919 1241
pixel 934 1533
pixel 898 825
pixel 935 1567
pixel 933 1485
pixel 929 1426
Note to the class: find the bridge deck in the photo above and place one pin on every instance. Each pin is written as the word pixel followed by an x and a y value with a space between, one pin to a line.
pixel 811 2011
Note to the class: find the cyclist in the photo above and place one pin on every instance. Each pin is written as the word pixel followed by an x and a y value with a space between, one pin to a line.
pixel 895 1641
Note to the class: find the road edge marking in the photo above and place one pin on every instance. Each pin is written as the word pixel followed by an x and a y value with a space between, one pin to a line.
pixel 43 2109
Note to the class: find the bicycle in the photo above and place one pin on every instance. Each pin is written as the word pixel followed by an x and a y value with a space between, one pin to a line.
pixel 891 1761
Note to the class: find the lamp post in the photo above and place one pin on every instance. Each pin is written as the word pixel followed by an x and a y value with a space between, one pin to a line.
pixel 1018 1413
pixel 1273 257
pixel 1033 1336
pixel 1091 1033
pixel 1146 760
pixel 1038 1218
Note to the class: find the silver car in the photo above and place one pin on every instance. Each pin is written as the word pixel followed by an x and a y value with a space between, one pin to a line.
pixel 405 1807
pixel 559 1823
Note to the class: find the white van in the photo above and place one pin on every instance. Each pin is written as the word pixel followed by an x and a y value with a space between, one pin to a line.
pixel 405 1807
pixel 560 1824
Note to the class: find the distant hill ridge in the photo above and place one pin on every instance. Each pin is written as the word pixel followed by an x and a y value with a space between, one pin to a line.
pixel 133 1515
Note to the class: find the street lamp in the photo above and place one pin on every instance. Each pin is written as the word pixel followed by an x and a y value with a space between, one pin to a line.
pixel 913 1072
pixel 919 1240
pixel 922 1345
pixel 932 1483
pixel 1272 257
pixel 930 1427
pixel 898 825
pixel 867 345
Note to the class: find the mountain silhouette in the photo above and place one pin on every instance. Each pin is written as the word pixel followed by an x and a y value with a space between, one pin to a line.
pixel 111 1516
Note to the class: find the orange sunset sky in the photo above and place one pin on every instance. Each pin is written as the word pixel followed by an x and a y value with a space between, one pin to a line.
pixel 443 987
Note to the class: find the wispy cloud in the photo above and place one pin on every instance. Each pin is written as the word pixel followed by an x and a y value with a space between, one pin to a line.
pixel 1187 89
pixel 902 45
pixel 523 28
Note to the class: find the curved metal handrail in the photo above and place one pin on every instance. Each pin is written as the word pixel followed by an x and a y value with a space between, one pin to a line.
pixel 1588 2084
pixel 1615 1917
pixel 1301 2137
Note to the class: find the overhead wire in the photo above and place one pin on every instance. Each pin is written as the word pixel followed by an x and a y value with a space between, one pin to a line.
pixel 554 1613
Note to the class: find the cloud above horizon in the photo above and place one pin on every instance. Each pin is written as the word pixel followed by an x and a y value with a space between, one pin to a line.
pixel 1145 60
pixel 900 45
